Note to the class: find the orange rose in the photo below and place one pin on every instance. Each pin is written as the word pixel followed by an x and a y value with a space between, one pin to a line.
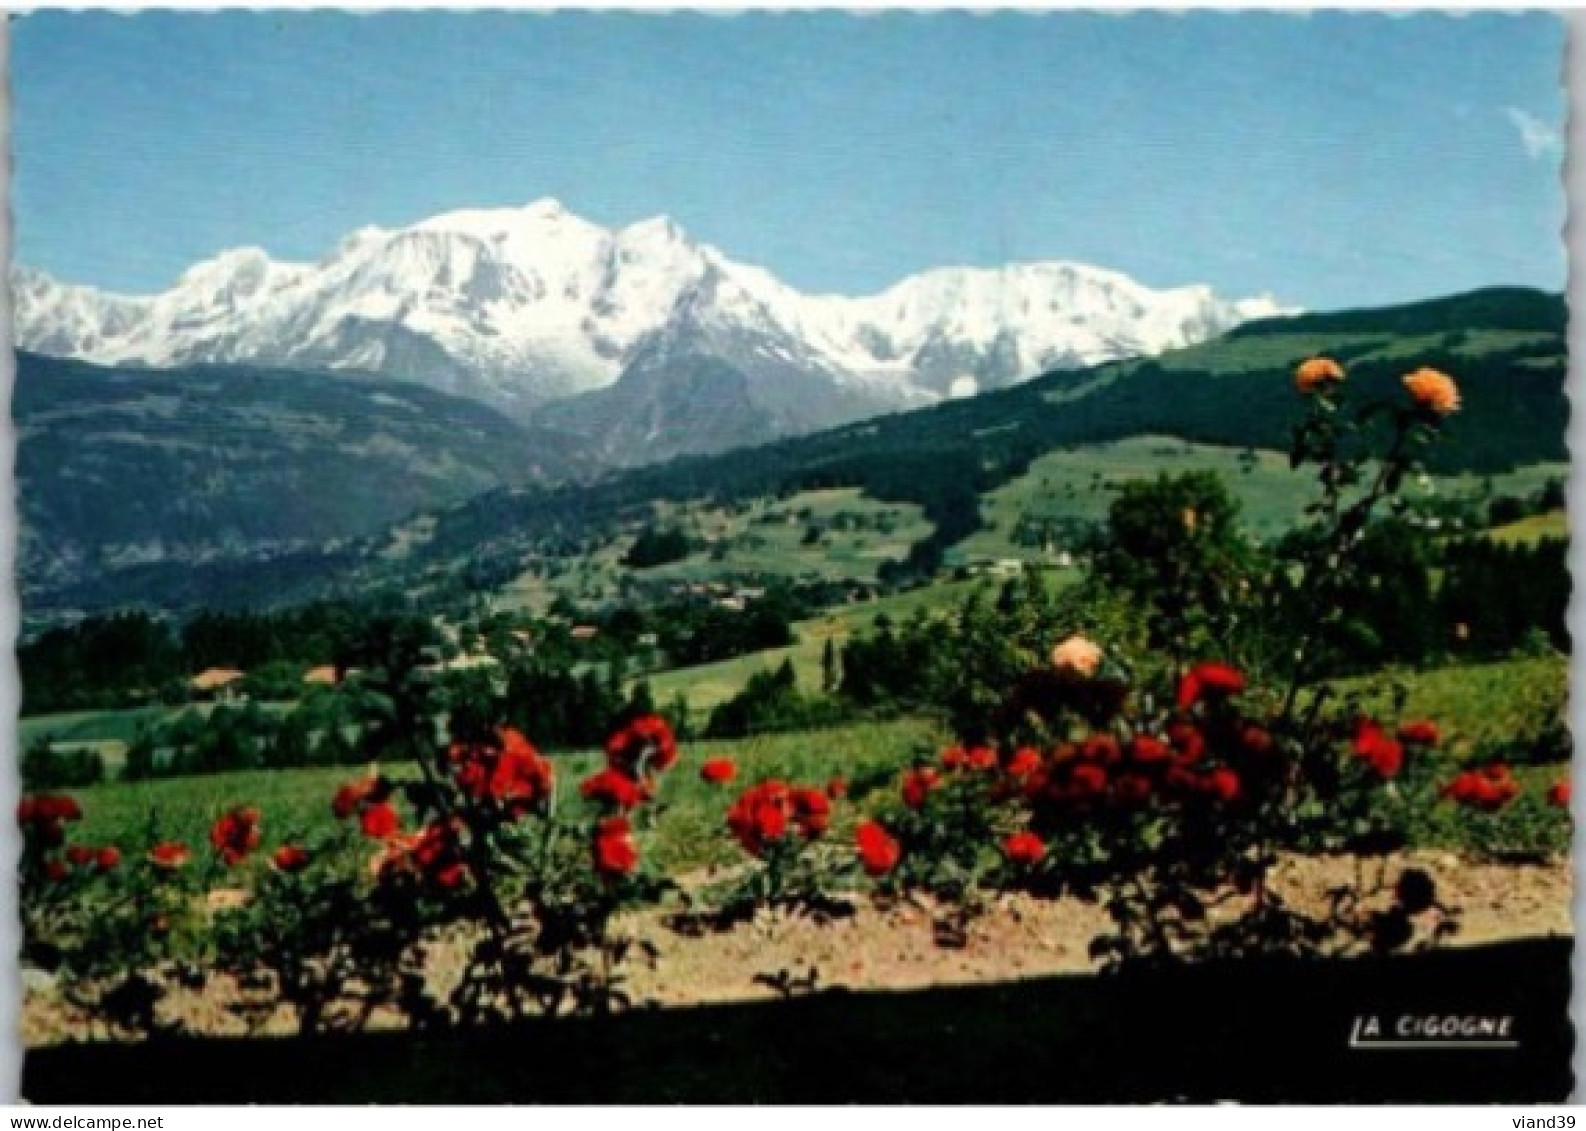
pixel 1433 390
pixel 1316 374
pixel 1077 657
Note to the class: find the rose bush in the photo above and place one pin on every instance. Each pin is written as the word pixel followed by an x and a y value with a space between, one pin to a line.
pixel 1170 789
pixel 336 929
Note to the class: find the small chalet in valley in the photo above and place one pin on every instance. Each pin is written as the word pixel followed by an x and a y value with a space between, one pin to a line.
pixel 323 676
pixel 217 685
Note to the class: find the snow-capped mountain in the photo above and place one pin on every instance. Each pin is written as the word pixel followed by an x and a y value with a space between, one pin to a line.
pixel 522 307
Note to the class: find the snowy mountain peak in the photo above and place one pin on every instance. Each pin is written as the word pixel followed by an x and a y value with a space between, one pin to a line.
pixel 656 230
pixel 519 306
pixel 547 207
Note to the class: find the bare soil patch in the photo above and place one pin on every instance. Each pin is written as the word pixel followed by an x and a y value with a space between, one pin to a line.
pixel 894 946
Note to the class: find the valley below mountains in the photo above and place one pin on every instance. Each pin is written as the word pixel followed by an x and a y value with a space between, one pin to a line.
pixel 244 486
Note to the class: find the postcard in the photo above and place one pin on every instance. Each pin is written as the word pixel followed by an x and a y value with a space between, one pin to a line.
pixel 792 558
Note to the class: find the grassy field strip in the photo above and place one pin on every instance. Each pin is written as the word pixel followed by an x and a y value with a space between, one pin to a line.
pixel 119 727
pixel 1528 531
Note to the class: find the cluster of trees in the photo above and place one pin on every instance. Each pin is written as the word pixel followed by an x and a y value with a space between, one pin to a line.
pixel 702 634
pixel 100 662
pixel 657 546
pixel 772 701
pixel 1495 598
pixel 565 709
pixel 322 731
pixel 44 766
pixel 121 659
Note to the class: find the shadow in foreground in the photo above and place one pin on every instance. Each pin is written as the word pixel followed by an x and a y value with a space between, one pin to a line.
pixel 1257 1031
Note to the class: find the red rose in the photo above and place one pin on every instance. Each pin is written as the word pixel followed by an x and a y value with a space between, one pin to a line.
pixel 645 744
pixel 918 783
pixel 1384 755
pixel 1088 780
pixel 1256 740
pixel 1558 794
pixel 616 852
pixel 289 858
pixel 1149 751
pixel 762 816
pixel 169 855
pixel 108 858
pixel 43 817
pixel 1464 789
pixel 56 871
pixel 1421 732
pixel 1223 784
pixel 521 777
pixel 879 851
pixel 1101 748
pixel 80 856
pixel 1208 679
pixel 1064 752
pixel 1488 789
pixel 351 796
pixel 1037 784
pixel 718 771
pixel 969 758
pixel 507 770
pixel 380 821
pixel 1025 762
pixel 812 812
pixel 440 858
pixel 57 807
pixel 1024 849
pixel 235 834
pixel 433 855
pixel 613 788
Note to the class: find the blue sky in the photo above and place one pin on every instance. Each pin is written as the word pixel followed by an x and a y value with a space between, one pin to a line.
pixel 1333 161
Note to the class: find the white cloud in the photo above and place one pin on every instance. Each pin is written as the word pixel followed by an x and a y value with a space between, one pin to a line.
pixel 1540 139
